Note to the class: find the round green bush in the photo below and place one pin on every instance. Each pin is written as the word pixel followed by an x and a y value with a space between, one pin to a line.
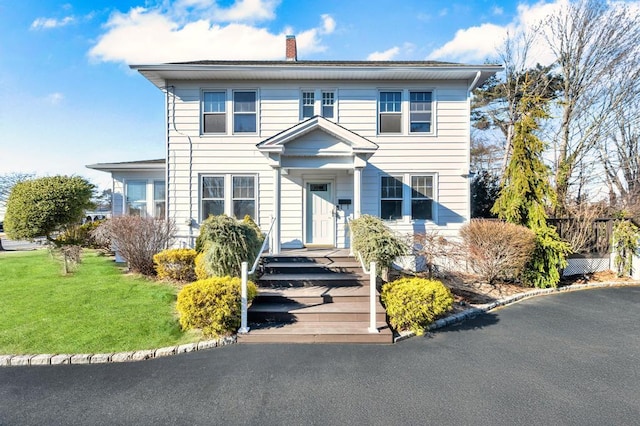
pixel 213 305
pixel 414 303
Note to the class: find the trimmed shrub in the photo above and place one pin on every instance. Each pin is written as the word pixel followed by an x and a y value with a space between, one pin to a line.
pixel 213 305
pixel 226 243
pixel 137 239
pixel 200 268
pixel 176 264
pixel 80 235
pixel 549 257
pixel 375 242
pixel 414 303
pixel 497 250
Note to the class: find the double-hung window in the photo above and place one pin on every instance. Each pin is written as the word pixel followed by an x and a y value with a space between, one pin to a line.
pixel 244 197
pixel 420 112
pixel 214 116
pixel 233 195
pixel 422 197
pixel 159 202
pixel 244 112
pixel 328 102
pixel 391 198
pixel 390 112
pixel 136 198
pixel 212 196
pixel 308 105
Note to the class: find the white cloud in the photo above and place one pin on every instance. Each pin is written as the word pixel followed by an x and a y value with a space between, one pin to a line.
pixel 471 44
pixel 386 55
pixel 54 98
pixel 497 10
pixel 48 23
pixel 157 35
pixel 478 43
pixel 249 10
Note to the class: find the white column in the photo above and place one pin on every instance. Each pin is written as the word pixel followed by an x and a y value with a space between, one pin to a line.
pixel 357 192
pixel 243 301
pixel 372 298
pixel 277 183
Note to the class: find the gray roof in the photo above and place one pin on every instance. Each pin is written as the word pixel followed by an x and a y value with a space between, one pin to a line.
pixel 156 164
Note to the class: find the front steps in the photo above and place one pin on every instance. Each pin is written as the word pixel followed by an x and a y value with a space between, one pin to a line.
pixel 318 296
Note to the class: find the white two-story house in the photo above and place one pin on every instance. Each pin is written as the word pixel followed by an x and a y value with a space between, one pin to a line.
pixel 306 145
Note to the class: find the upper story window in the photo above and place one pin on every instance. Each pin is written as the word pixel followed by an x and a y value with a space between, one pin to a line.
pixel 214 116
pixel 244 112
pixel 420 112
pixel 390 112
pixel 422 197
pixel 308 105
pixel 328 102
pixel 391 198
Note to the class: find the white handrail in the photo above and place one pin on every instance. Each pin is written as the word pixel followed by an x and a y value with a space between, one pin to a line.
pixel 244 278
pixel 372 285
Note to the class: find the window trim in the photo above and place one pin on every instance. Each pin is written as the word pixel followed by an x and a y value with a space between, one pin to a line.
pixel 155 201
pixel 228 198
pixel 380 113
pixel 406 179
pixel 201 197
pixel 431 111
pixel 254 199
pixel 426 197
pixel 255 112
pixel 318 102
pixel 203 113
pixel 303 92
pixel 126 209
pixel 400 178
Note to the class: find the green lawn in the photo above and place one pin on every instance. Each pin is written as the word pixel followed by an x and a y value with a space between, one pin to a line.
pixel 96 309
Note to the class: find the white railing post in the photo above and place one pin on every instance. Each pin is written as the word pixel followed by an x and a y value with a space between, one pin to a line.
pixel 372 298
pixel 243 314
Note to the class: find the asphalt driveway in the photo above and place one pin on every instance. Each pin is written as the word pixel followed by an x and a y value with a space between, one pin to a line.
pixel 570 358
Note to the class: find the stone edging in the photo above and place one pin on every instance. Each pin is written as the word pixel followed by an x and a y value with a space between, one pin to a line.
pixel 481 309
pixel 59 359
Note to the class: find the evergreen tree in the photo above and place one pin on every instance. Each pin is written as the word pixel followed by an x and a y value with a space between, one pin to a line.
pixel 526 191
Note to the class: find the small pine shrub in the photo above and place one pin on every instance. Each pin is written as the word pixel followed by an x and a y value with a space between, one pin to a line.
pixel 213 305
pixel 375 242
pixel 496 249
pixel 414 303
pixel 548 258
pixel 176 264
pixel 226 243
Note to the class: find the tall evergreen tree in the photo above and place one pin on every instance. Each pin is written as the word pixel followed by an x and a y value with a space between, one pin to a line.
pixel 526 192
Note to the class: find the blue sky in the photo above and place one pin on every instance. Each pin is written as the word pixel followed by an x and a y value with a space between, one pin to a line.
pixel 69 98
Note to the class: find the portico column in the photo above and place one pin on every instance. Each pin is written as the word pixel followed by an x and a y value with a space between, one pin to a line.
pixel 275 233
pixel 357 191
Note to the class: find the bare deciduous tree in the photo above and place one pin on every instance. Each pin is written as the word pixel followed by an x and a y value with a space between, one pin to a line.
pixel 596 46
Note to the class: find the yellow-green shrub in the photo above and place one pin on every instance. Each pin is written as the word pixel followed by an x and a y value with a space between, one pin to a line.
pixel 201 268
pixel 213 305
pixel 175 264
pixel 414 303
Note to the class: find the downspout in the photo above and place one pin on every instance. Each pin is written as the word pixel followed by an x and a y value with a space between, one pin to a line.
pixel 468 171
pixel 190 220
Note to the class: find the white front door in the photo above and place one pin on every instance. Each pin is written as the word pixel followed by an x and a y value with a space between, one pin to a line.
pixel 320 220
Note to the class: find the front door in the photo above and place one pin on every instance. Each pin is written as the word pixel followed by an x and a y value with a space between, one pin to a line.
pixel 320 221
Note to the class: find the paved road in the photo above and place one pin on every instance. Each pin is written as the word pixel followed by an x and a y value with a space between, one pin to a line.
pixel 564 359
pixel 16 245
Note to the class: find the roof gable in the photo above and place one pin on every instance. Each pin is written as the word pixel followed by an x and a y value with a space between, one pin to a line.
pixel 303 139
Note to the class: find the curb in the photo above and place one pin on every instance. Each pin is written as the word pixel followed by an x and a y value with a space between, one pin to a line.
pixel 481 309
pixel 104 358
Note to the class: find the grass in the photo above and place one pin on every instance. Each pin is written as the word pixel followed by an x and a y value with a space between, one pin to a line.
pixel 97 309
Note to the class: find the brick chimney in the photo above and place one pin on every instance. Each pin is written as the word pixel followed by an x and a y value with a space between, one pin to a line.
pixel 292 50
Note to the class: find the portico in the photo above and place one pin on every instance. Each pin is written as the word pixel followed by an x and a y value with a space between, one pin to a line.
pixel 316 154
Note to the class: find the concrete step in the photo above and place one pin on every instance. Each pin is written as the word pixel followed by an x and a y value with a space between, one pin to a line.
pixel 321 312
pixel 317 332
